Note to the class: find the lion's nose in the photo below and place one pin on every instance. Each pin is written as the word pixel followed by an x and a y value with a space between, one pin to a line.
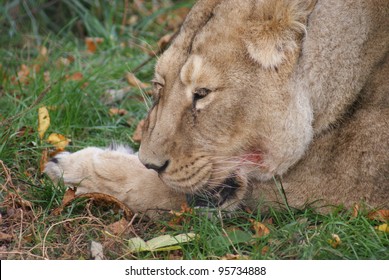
pixel 159 168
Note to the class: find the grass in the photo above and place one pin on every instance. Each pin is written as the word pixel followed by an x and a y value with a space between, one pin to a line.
pixel 30 230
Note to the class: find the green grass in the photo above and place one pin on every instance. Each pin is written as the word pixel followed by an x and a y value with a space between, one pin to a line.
pixel 28 198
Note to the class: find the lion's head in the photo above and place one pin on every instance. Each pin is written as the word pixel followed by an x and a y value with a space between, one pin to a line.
pixel 225 106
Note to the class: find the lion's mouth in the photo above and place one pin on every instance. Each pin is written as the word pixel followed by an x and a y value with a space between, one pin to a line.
pixel 216 196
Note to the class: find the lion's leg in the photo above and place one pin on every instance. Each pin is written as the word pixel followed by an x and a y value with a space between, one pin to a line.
pixel 116 173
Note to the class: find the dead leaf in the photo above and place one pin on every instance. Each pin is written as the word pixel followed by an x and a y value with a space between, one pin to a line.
pixel 119 227
pixel 97 197
pixel 137 136
pixel 96 250
pixel 132 80
pixel 335 241
pixel 43 161
pixel 260 229
pixel 179 216
pixel 117 112
pixel 355 210
pixel 59 141
pixel 69 195
pixel 184 209
pixel 5 237
pixel 383 228
pixel 77 76
pixel 43 121
pixel 92 43
pixel 265 250
pixel 23 74
pixel 160 243
pixel 380 215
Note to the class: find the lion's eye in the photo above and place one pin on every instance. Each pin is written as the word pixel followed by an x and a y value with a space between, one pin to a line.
pixel 200 93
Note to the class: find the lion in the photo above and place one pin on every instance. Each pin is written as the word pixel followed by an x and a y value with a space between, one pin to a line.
pixel 258 102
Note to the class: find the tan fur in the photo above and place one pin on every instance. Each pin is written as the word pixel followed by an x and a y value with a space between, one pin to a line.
pixel 298 91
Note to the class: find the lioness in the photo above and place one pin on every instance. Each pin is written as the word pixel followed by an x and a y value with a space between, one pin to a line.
pixel 252 94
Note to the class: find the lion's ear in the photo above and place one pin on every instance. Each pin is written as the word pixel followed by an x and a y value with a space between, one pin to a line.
pixel 275 29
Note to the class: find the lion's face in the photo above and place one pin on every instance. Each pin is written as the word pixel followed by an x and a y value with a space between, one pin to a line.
pixel 224 111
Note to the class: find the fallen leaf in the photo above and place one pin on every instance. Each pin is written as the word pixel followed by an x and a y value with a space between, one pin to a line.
pixel 160 243
pixel 43 121
pixel 69 195
pixel 184 209
pixel 380 215
pixel 23 74
pixel 43 161
pixel 117 112
pixel 335 241
pixel 265 250
pixel 96 250
pixel 77 76
pixel 5 237
pixel 137 136
pixel 179 216
pixel 97 197
pixel 119 227
pixel 260 229
pixel 135 82
pixel 92 43
pixel 383 228
pixel 355 210
pixel 59 141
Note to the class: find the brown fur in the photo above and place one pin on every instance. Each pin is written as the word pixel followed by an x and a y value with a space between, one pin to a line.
pixel 298 90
